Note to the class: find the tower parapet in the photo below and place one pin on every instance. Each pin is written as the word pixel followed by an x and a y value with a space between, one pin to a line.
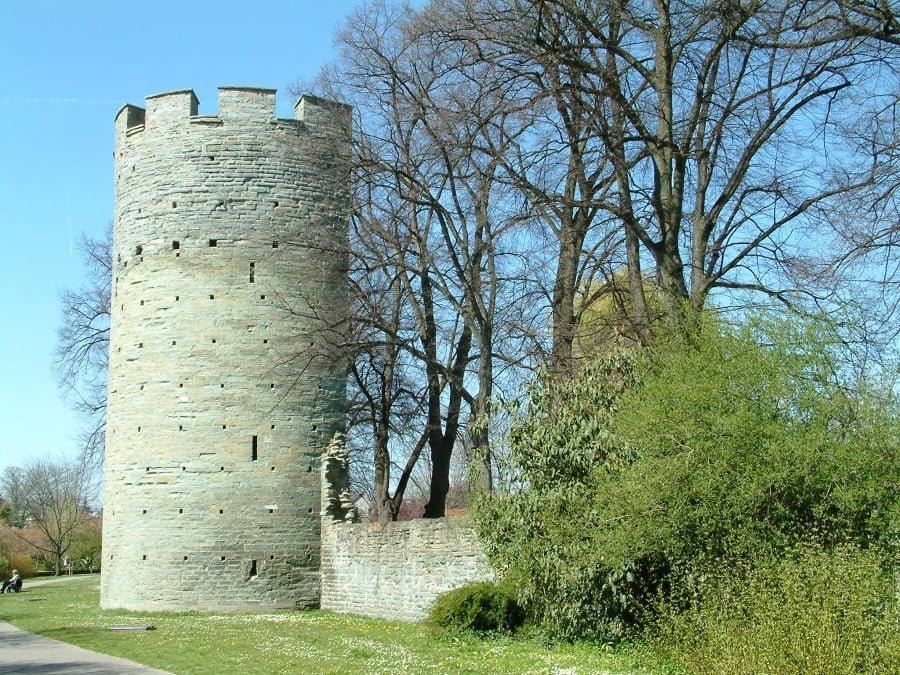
pixel 226 380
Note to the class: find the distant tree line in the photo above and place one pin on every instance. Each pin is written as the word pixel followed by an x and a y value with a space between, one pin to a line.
pixel 49 516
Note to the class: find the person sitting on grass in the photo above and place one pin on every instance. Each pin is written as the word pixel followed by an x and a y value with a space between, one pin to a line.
pixel 14 582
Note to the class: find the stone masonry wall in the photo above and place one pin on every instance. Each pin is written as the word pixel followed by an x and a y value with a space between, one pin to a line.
pixel 225 375
pixel 395 571
pixel 390 571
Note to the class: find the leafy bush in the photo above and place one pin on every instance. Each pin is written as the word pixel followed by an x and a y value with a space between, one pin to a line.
pixel 747 442
pixel 5 567
pixel 540 536
pixel 647 474
pixel 23 563
pixel 813 611
pixel 480 607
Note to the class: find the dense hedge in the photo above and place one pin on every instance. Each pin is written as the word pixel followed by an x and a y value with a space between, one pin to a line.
pixel 481 607
pixel 649 473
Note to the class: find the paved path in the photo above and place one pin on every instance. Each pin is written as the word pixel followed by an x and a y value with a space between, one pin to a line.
pixel 28 654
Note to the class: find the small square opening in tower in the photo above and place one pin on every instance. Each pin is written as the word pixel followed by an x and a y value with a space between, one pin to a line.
pixel 176 245
pixel 213 243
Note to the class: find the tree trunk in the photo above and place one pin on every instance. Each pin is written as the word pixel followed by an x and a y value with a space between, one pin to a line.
pixel 441 452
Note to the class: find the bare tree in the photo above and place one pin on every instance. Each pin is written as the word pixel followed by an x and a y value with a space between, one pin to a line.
pixel 55 498
pixel 723 125
pixel 430 223
pixel 82 342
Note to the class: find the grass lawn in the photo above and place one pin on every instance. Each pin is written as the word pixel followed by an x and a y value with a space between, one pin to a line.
pixel 284 642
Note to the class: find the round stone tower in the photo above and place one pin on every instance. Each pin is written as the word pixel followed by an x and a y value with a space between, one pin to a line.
pixel 226 378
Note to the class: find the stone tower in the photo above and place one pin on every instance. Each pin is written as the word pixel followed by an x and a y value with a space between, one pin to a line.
pixel 225 375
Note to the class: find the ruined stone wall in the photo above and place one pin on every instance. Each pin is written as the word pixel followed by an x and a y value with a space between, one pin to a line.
pixel 396 571
pixel 225 373
pixel 390 571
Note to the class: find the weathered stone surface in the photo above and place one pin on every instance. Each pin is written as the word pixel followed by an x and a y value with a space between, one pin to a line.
pixel 226 377
pixel 395 571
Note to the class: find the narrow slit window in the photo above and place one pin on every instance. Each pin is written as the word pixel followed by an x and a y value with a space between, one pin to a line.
pixel 252 272
pixel 254 448
pixel 252 568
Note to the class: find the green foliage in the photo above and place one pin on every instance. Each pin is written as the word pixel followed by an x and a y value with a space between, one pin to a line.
pixel 540 537
pixel 646 474
pixel 747 441
pixel 86 548
pixel 813 611
pixel 481 607
pixel 23 563
pixel 5 567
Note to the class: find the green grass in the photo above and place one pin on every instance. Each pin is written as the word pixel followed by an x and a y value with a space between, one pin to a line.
pixel 285 642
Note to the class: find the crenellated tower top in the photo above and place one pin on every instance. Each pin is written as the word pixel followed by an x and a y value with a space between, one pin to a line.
pixel 247 105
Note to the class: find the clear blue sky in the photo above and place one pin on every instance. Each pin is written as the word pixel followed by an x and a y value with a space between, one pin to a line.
pixel 66 67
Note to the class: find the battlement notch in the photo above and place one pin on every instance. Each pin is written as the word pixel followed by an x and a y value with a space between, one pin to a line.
pixel 322 113
pixel 129 117
pixel 171 107
pixel 246 103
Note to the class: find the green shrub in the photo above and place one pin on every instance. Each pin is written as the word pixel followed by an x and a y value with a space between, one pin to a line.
pixel 645 475
pixel 482 607
pixel 23 563
pixel 813 611
pixel 5 567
